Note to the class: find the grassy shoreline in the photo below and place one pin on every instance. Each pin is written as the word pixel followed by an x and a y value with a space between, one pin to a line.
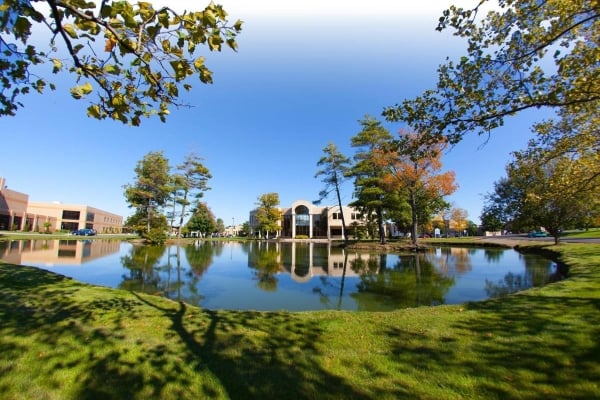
pixel 62 339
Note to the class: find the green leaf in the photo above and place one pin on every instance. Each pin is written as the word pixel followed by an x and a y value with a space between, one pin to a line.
pixel 112 69
pixel 40 84
pixel 163 18
pixel 199 62
pixel 93 111
pixel 57 65
pixel 70 30
pixel 238 25
pixel 78 92
pixel 21 29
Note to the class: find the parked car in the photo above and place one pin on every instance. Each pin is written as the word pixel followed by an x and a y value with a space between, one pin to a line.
pixel 534 234
pixel 84 232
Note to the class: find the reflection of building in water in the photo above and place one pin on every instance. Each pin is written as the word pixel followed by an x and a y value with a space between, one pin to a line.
pixel 51 252
pixel 18 213
pixel 305 260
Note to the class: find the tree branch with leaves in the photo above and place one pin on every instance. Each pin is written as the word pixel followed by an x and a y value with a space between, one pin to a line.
pixel 130 60
pixel 523 54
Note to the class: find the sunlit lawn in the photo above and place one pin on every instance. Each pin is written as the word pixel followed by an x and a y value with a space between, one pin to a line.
pixel 581 234
pixel 60 339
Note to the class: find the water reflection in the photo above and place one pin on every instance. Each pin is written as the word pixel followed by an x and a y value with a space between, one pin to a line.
pixel 293 276
pixel 56 252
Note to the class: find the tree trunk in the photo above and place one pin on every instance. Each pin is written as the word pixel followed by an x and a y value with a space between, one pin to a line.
pixel 149 212
pixel 413 208
pixel 339 199
pixel 380 227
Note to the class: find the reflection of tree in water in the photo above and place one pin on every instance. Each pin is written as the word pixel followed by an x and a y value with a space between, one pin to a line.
pixel 266 267
pixel 170 279
pixel 537 273
pixel 199 256
pixel 368 265
pixel 142 265
pixel 329 285
pixel 451 260
pixel 265 261
pixel 413 281
pixel 493 255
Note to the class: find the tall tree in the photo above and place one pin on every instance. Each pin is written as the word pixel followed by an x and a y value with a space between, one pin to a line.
pixel 220 226
pixel 555 181
pixel 459 217
pixel 268 214
pixel 152 186
pixel 414 167
pixel 335 167
pixel 176 186
pixel 523 54
pixel 202 220
pixel 369 187
pixel 130 59
pixel 192 181
pixel 492 216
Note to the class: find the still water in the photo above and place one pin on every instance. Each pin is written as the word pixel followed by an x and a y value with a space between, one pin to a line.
pixel 265 276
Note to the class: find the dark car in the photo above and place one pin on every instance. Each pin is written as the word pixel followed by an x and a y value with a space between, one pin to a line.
pixel 84 232
pixel 534 234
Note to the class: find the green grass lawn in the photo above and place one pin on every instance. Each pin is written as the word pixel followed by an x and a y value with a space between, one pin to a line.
pixel 581 234
pixel 61 339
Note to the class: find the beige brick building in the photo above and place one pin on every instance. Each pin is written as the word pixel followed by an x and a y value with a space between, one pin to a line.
pixel 20 214
pixel 304 219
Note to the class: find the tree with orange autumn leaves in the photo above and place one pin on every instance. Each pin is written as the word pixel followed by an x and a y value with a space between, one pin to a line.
pixel 413 167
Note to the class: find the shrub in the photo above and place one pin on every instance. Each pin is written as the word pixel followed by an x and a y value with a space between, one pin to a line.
pixel 155 236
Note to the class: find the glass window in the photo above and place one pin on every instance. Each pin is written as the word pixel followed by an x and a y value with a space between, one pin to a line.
pixel 302 220
pixel 68 214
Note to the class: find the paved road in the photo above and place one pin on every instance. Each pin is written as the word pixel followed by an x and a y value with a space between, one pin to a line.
pixel 546 239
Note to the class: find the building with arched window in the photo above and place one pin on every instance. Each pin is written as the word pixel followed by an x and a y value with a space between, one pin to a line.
pixel 308 221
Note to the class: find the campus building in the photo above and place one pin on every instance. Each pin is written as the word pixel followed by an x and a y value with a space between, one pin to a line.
pixel 306 220
pixel 18 213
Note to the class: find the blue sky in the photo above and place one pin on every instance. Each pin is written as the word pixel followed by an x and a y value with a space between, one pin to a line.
pixel 305 73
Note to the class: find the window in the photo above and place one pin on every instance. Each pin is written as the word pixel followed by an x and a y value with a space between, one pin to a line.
pixel 67 214
pixel 89 217
pixel 302 220
pixel 336 215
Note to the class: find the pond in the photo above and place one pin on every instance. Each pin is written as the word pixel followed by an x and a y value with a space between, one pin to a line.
pixel 258 275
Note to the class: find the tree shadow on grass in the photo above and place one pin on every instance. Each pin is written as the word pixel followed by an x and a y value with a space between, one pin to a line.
pixel 49 342
pixel 516 347
pixel 60 338
pixel 252 360
pixel 551 340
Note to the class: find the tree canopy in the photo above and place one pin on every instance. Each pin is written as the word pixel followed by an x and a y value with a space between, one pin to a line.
pixel 523 54
pixel 268 214
pixel 371 196
pixel 554 182
pixel 191 180
pixel 414 168
pixel 334 168
pixel 202 220
pixel 129 59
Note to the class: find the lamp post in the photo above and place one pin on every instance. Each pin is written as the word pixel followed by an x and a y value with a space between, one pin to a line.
pixel 233 225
